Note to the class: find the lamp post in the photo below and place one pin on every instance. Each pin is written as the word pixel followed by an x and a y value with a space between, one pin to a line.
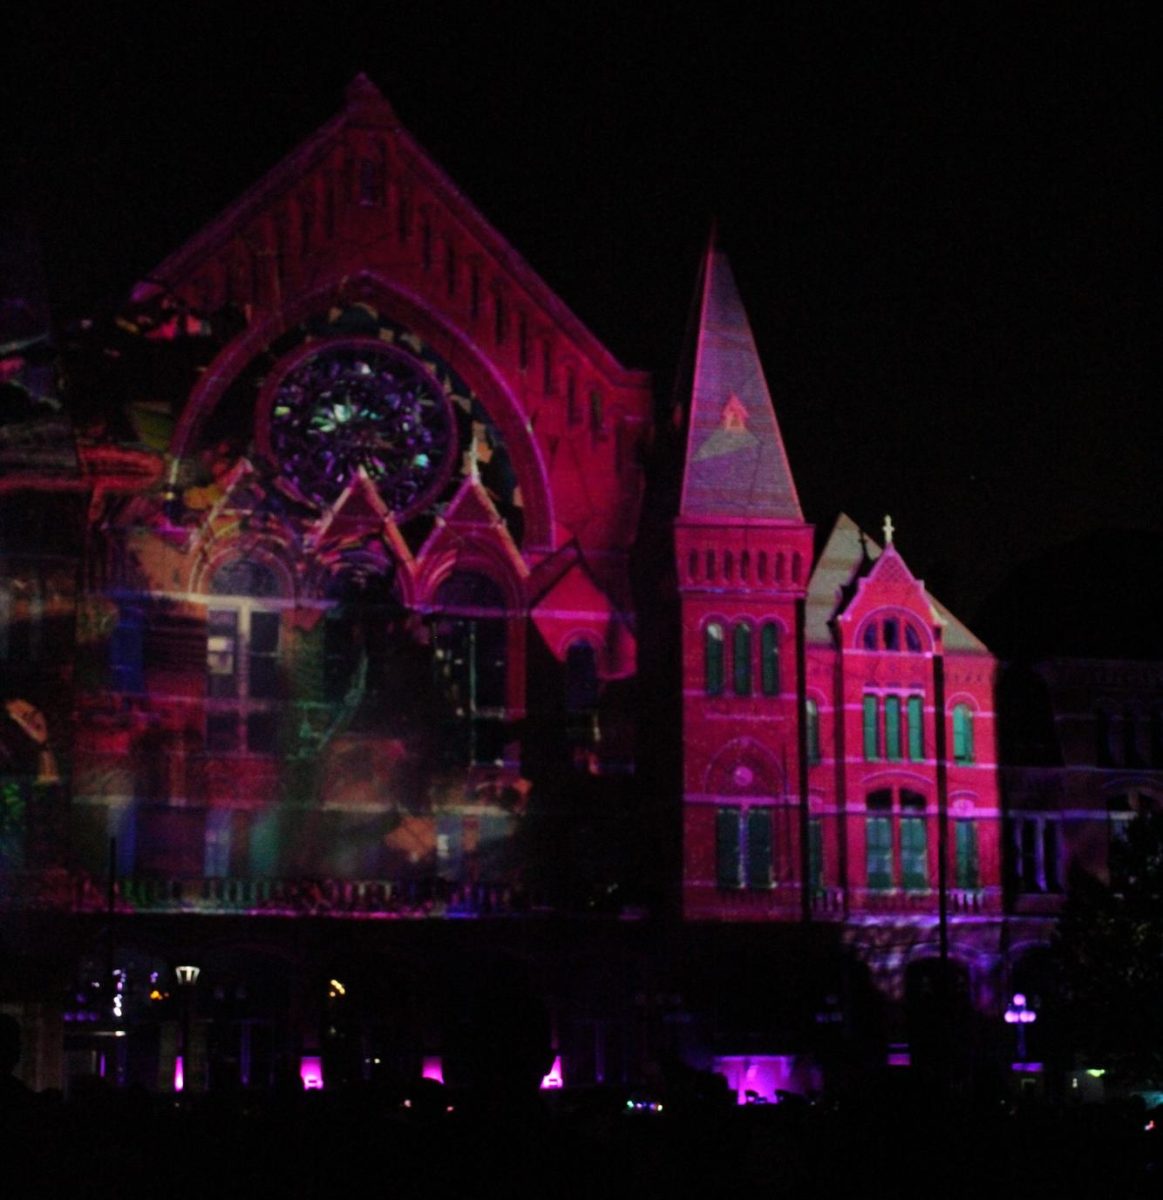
pixel 1020 1014
pixel 187 977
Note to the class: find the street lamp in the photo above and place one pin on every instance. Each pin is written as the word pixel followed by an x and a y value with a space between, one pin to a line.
pixel 187 977
pixel 1019 1013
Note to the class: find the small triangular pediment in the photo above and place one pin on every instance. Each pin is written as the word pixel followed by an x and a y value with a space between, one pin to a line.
pixel 469 526
pixel 358 514
pixel 575 606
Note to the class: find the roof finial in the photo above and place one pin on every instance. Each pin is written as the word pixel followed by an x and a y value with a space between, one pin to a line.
pixel 888 530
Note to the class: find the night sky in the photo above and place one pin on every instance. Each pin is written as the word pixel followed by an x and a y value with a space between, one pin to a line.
pixel 942 218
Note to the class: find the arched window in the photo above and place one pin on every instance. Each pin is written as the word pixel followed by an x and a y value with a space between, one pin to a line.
pixel 713 653
pixel 762 566
pixel 878 839
pixel 870 636
pixel 769 659
pixel 962 733
pixel 914 842
pixel 892 634
pixel 812 718
pixel 745 565
pixel 741 659
pixel 581 700
pixel 728 565
pixel 912 639
pixel 469 643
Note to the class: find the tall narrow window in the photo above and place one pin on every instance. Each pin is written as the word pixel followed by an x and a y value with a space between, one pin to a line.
pixel 966 872
pixel 759 846
pixel 581 696
pixel 1051 851
pixel 912 639
pixel 242 659
pixel 727 848
pixel 713 658
pixel 871 728
pixel 126 652
pixel 916 728
pixel 962 734
pixel 741 659
pixel 815 853
pixel 892 634
pixel 878 840
pixel 892 728
pixel 769 659
pixel 914 842
pixel 812 717
pixel 870 636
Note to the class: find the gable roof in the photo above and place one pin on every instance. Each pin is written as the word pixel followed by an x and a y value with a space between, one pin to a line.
pixel 736 465
pixel 365 108
pixel 848 556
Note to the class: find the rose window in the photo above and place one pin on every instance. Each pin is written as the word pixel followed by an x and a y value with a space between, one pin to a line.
pixel 339 408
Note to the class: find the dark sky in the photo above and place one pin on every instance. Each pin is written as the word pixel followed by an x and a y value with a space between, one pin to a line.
pixel 943 218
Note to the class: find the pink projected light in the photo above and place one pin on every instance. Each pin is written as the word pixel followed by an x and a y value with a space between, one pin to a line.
pixel 554 1079
pixel 179 1074
pixel 311 1072
pixel 433 1068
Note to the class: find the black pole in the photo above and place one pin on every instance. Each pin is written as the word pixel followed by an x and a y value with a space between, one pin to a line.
pixel 802 761
pixel 944 996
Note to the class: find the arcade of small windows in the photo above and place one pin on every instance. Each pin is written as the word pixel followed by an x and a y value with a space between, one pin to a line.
pixel 743 666
pixel 892 634
pixel 894 728
pixel 1036 853
pixel 743 847
pixel 243 632
pixel 906 865
pixel 1128 739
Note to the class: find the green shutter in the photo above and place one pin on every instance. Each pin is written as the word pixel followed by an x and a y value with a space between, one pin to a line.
pixel 741 659
pixel 966 837
pixel 769 659
pixel 713 658
pixel 892 728
pixel 871 738
pixel 727 847
pixel 878 835
pixel 759 845
pixel 916 728
pixel 914 854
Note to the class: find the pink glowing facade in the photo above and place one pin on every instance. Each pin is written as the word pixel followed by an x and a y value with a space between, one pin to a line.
pixel 338 619
pixel 835 715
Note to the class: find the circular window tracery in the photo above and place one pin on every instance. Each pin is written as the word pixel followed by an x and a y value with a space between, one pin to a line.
pixel 339 407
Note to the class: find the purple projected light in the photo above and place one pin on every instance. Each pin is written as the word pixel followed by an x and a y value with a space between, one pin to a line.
pixel 433 1068
pixel 311 1072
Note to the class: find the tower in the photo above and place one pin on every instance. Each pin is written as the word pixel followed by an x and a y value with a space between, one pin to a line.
pixel 743 557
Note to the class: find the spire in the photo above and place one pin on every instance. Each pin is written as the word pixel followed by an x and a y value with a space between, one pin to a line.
pixel 366 103
pixel 735 461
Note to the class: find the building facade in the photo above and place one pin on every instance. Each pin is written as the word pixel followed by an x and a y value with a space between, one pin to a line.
pixel 327 610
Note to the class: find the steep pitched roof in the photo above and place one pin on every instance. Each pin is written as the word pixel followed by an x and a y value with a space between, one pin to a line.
pixel 848 555
pixel 366 108
pixel 736 465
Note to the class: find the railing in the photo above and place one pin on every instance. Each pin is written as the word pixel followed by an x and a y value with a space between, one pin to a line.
pixel 62 891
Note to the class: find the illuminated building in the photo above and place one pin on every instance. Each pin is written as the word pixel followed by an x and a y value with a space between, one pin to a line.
pixel 330 614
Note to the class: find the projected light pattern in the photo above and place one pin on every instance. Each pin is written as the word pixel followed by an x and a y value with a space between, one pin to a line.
pixel 362 405
pixel 311 1072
